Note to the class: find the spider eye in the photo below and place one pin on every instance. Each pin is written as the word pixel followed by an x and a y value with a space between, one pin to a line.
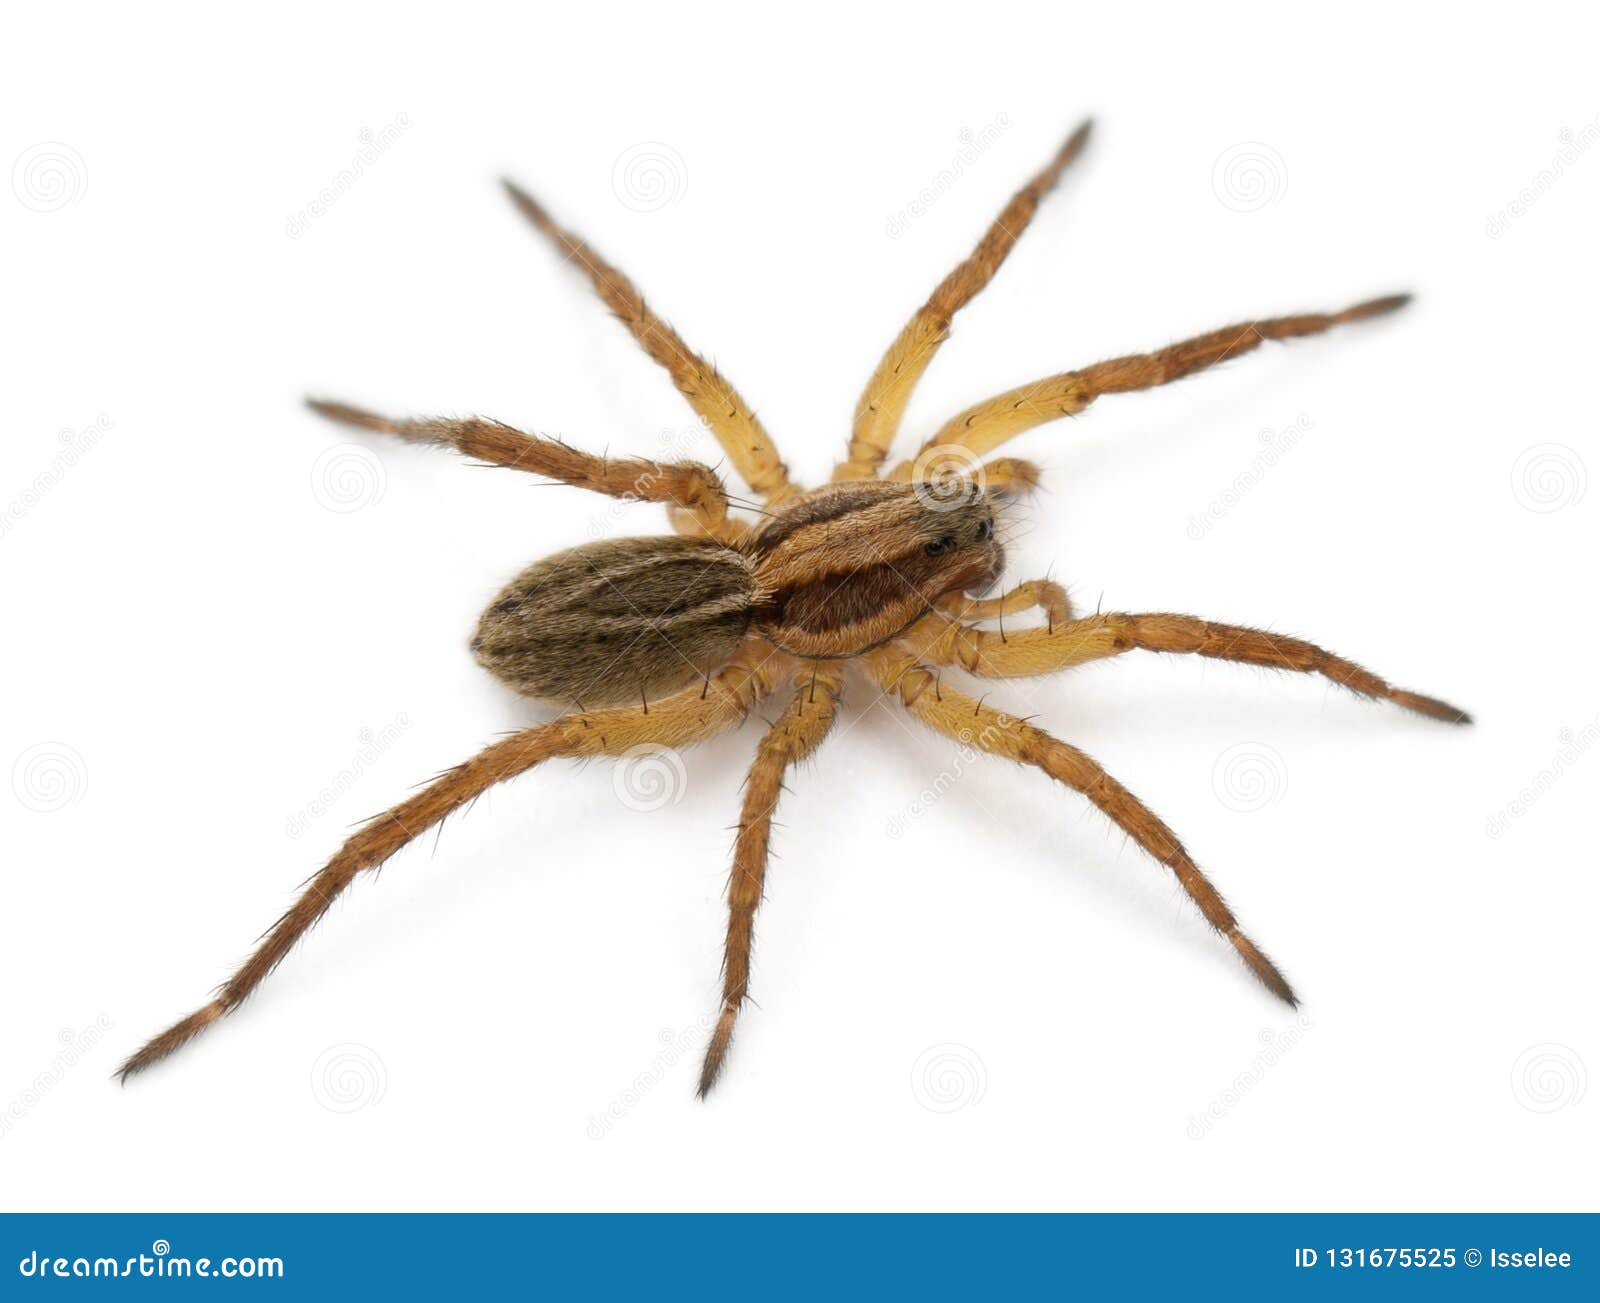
pixel 986 530
pixel 939 546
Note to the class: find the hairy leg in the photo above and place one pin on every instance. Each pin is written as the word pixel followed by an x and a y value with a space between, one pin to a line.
pixel 884 400
pixel 1026 652
pixel 1045 594
pixel 948 469
pixel 747 444
pixel 1012 476
pixel 678 720
pixel 970 722
pixel 686 485
pixel 692 524
pixel 797 733
pixel 986 425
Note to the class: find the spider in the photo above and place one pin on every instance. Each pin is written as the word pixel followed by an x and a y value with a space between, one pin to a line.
pixel 880 573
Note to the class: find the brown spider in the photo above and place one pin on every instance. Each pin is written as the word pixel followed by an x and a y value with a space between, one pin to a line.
pixel 670 640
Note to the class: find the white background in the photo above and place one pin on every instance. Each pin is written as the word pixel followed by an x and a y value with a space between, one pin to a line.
pixel 218 607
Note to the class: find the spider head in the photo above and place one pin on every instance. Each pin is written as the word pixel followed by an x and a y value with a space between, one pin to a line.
pixel 844 568
pixel 955 529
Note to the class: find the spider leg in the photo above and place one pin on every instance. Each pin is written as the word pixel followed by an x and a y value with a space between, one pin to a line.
pixel 796 734
pixel 884 400
pixel 689 716
pixel 970 722
pixel 1009 476
pixel 986 425
pixel 687 486
pixel 742 436
pixel 1026 652
pixel 693 524
pixel 1045 594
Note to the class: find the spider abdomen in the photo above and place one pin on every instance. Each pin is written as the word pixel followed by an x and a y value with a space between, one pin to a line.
pixel 618 620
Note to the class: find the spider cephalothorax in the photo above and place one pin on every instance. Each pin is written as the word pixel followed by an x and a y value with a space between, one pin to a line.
pixel 846 568
pixel 668 640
